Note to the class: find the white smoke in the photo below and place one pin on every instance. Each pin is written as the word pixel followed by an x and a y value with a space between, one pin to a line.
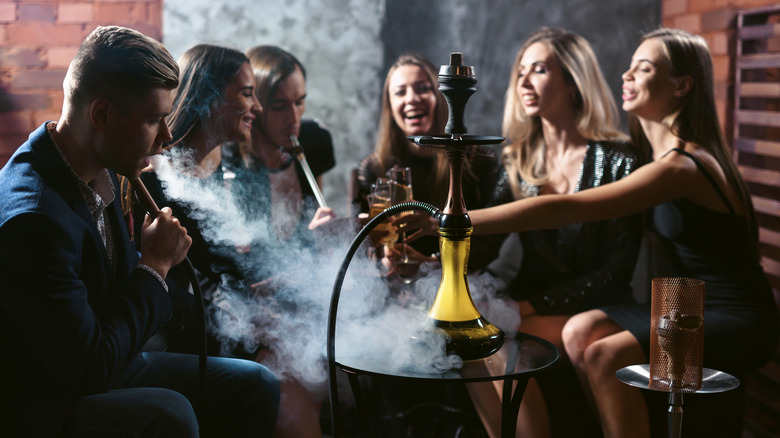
pixel 291 321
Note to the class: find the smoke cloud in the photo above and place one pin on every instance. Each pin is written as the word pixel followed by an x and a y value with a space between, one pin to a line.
pixel 290 320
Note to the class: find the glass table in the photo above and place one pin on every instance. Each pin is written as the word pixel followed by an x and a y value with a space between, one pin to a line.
pixel 526 356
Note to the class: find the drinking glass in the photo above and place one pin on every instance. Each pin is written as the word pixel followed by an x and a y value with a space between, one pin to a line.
pixel 401 180
pixel 380 199
pixel 401 191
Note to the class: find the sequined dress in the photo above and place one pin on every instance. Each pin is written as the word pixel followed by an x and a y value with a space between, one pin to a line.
pixel 584 265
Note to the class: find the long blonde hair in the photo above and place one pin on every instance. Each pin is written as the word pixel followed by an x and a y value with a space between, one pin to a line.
pixel 392 144
pixel 597 115
pixel 696 118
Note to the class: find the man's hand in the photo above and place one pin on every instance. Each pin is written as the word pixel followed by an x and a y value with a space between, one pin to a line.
pixel 164 242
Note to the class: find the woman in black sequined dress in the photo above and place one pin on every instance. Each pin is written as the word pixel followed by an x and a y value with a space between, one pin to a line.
pixel 561 119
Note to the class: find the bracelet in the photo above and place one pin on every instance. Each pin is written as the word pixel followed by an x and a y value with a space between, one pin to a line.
pixel 156 274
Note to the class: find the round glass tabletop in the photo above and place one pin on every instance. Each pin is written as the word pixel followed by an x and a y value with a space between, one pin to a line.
pixel 521 354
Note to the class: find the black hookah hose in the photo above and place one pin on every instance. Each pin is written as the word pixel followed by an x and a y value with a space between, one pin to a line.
pixel 152 210
pixel 334 300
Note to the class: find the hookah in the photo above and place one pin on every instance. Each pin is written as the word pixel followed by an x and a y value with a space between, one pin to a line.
pixel 469 334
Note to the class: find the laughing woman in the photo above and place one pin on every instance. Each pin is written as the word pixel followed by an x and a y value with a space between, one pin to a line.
pixel 412 105
pixel 214 103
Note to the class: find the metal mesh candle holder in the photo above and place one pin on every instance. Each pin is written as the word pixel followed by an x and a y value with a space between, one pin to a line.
pixel 676 334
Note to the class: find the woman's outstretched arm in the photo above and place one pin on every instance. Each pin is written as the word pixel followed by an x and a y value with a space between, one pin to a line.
pixel 652 184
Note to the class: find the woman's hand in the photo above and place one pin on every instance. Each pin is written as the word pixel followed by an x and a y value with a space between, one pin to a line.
pixel 322 216
pixel 392 260
pixel 376 236
pixel 416 225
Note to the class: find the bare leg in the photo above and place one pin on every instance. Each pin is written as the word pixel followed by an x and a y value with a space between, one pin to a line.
pixel 299 413
pixel 622 408
pixel 533 418
pixel 580 331
pixel 487 397
pixel 299 410
pixel 487 402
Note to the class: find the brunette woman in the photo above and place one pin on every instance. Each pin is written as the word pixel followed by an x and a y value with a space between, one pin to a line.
pixel 214 104
pixel 412 105
pixel 271 187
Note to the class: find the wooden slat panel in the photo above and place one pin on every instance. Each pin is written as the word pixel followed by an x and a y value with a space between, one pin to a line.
pixel 771 238
pixel 759 89
pixel 763 60
pixel 763 118
pixel 760 176
pixel 760 147
pixel 756 32
pixel 766 206
pixel 771 267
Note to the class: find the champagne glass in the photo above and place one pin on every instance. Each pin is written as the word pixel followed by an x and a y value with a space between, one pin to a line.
pixel 401 191
pixel 380 199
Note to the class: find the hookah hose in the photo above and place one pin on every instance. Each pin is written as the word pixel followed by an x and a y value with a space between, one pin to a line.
pixel 334 300
pixel 152 210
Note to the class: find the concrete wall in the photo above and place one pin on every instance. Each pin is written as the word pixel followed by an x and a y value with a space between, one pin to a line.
pixel 347 45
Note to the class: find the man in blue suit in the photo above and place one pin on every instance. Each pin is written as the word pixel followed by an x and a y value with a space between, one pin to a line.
pixel 77 304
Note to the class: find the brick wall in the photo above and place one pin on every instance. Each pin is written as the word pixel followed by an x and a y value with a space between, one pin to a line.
pixel 38 38
pixel 715 21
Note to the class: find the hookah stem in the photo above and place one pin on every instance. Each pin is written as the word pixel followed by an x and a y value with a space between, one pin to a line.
pixel 152 210
pixel 404 255
pixel 315 188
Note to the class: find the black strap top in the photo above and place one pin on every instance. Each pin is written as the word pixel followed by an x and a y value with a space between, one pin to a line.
pixel 707 175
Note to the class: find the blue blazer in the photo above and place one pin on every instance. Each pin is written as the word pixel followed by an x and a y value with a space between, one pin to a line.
pixel 69 322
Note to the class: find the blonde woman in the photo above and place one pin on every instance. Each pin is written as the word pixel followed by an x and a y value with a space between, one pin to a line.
pixel 561 120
